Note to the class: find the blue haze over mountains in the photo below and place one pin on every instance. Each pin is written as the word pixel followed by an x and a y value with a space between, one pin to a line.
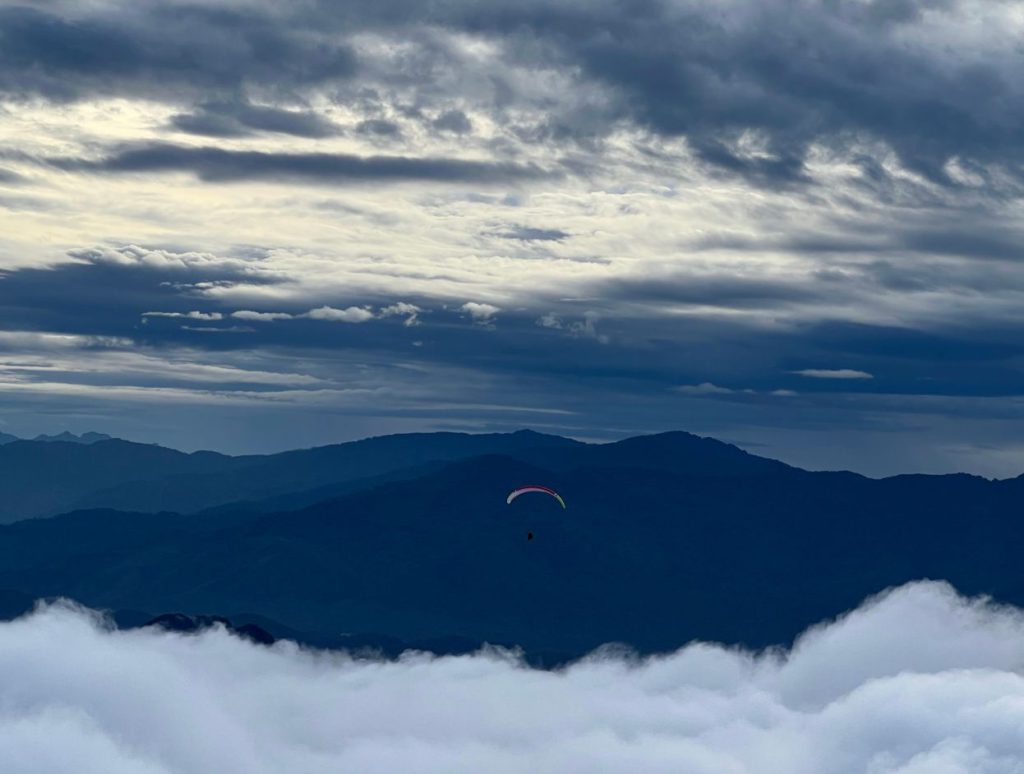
pixel 407 539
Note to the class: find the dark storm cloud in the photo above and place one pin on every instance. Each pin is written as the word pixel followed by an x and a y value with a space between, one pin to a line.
pixel 216 164
pixel 238 119
pixel 776 171
pixel 79 298
pixel 722 290
pixel 833 72
pixel 453 121
pixel 981 241
pixel 108 292
pixel 751 86
pixel 159 51
pixel 709 71
pixel 97 295
pixel 827 71
pixel 614 375
pixel 927 276
pixel 531 234
pixel 991 343
pixel 379 127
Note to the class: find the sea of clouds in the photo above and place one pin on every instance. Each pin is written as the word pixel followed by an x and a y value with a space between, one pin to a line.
pixel 917 680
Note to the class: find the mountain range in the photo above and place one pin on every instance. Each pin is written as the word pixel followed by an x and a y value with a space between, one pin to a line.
pixel 64 437
pixel 408 539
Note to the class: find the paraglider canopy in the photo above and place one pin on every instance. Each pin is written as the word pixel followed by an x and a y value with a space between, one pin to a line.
pixel 535 488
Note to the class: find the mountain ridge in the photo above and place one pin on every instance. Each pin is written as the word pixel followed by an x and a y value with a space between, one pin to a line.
pixel 652 550
pixel 49 477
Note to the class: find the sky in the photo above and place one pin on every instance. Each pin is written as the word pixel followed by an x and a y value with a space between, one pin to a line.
pixel 793 225
pixel 915 681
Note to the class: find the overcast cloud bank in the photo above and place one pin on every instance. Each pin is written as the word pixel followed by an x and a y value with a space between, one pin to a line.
pixel 916 680
pixel 565 206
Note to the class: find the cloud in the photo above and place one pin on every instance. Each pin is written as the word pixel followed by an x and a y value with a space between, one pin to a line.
pixel 379 127
pixel 834 373
pixel 353 314
pixel 481 313
pixel 705 388
pixel 219 164
pixel 709 389
pixel 531 234
pixel 587 328
pixel 454 121
pixel 194 315
pixel 238 119
pixel 723 290
pixel 757 104
pixel 70 51
pixel 617 157
pixel 245 314
pixel 916 79
pixel 403 309
pixel 124 361
pixel 200 265
pixel 916 680
pixel 211 329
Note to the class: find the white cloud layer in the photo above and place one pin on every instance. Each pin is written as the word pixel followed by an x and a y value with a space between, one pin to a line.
pixel 918 680
pixel 353 314
pixel 193 315
pixel 403 309
pixel 481 313
pixel 245 314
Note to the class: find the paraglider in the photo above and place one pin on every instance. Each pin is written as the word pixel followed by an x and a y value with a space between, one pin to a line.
pixel 534 488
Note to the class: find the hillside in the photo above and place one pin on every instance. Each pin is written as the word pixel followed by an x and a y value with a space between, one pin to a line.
pixel 666 538
pixel 47 477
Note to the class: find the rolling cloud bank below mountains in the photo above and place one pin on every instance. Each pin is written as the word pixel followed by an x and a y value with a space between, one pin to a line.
pixel 916 680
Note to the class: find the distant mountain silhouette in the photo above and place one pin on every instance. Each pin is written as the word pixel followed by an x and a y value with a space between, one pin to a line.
pixel 676 452
pixel 666 538
pixel 51 477
pixel 41 478
pixel 66 437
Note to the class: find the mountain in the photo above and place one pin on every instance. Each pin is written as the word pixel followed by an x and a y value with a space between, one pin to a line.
pixel 55 474
pixel 666 539
pixel 44 478
pixel 41 478
pixel 8 438
pixel 267 476
pixel 66 437
pixel 676 451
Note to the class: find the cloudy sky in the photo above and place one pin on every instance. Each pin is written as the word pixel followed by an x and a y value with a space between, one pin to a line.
pixel 248 226
pixel 917 681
